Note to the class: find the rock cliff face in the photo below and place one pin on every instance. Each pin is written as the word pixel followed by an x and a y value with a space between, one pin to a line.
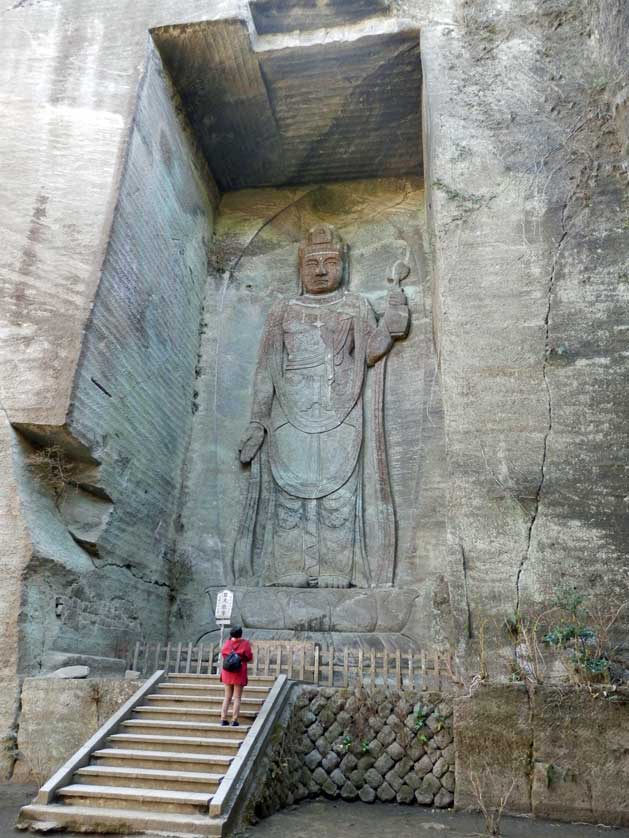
pixel 527 194
pixel 108 211
pixel 101 511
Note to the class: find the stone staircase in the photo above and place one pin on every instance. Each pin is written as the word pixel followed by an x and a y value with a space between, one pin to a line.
pixel 164 763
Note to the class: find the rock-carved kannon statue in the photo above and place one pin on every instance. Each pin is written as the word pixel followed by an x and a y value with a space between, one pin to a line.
pixel 318 510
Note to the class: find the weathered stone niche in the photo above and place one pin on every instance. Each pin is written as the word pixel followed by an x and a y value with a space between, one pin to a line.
pixel 255 264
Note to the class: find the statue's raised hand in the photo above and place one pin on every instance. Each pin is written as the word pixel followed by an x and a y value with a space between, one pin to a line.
pixel 251 441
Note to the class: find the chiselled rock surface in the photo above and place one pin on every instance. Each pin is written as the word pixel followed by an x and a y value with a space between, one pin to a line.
pixel 256 266
pixel 580 769
pixel 523 283
pixel 552 751
pixel 527 189
pixel 493 739
pixel 100 574
pixel 344 104
pixel 58 716
pixel 271 16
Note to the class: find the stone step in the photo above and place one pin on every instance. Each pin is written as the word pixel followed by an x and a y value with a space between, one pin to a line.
pixel 184 744
pixel 209 701
pixel 148 778
pixel 214 690
pixel 152 800
pixel 193 677
pixel 169 760
pixel 183 713
pixel 214 687
pixel 160 727
pixel 77 818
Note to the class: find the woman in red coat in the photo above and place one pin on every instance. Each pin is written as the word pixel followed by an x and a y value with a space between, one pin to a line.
pixel 235 681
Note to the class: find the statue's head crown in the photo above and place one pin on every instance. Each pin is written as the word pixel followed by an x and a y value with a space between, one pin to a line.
pixel 320 240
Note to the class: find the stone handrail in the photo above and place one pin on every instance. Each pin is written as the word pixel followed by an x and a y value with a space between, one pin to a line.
pixel 233 783
pixel 82 757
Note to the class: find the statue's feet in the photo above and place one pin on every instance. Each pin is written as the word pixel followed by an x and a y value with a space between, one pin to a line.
pixel 334 582
pixel 292 580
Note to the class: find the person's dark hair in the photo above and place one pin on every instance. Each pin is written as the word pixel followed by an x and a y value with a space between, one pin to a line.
pixel 235 632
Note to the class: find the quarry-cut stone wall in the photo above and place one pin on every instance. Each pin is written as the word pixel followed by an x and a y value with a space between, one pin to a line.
pixel 525 166
pixel 254 264
pixel 511 444
pixel 99 574
pixel 78 708
pixel 554 751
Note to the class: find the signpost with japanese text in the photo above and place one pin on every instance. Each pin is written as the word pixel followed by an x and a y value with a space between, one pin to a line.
pixel 223 611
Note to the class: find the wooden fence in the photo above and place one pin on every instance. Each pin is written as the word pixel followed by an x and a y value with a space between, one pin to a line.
pixel 307 662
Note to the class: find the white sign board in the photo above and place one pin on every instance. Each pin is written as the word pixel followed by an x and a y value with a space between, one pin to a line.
pixel 224 605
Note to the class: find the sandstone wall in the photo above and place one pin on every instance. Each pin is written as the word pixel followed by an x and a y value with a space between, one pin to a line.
pixel 556 751
pixel 255 264
pixel 99 575
pixel 16 549
pixel 525 171
pixel 58 716
pixel 553 752
pixel 526 191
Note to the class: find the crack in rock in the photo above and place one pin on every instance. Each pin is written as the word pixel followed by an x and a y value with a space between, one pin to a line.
pixel 470 631
pixel 128 567
pixel 547 349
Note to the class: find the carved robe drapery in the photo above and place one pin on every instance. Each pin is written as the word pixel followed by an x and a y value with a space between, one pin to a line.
pixel 303 522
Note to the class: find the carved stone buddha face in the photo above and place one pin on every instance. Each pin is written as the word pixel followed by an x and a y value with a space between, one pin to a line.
pixel 321 272
pixel 321 261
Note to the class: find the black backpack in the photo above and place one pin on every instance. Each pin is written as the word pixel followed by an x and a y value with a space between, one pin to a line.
pixel 232 662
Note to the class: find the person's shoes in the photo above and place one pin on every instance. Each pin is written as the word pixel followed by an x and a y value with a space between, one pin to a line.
pixel 224 723
pixel 235 724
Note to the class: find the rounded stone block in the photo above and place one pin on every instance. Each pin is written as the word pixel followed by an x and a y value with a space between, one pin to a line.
pixel 367 794
pixel 348 764
pixel 423 766
pixel 447 781
pixel 395 751
pixel 383 764
pixel 393 780
pixel 430 784
pixel 405 795
pixel 412 780
pixel 337 777
pixel 373 778
pixel 349 791
pixel 319 776
pixel 330 761
pixel 386 736
pixel 313 759
pixel 444 799
pixel 440 767
pixel 385 793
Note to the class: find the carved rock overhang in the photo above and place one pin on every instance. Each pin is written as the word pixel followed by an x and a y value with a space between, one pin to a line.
pixel 281 109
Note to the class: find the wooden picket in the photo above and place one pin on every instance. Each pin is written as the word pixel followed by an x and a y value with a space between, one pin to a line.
pixel 308 662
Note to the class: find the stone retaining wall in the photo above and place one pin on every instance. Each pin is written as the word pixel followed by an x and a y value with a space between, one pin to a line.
pixel 358 744
pixel 57 717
